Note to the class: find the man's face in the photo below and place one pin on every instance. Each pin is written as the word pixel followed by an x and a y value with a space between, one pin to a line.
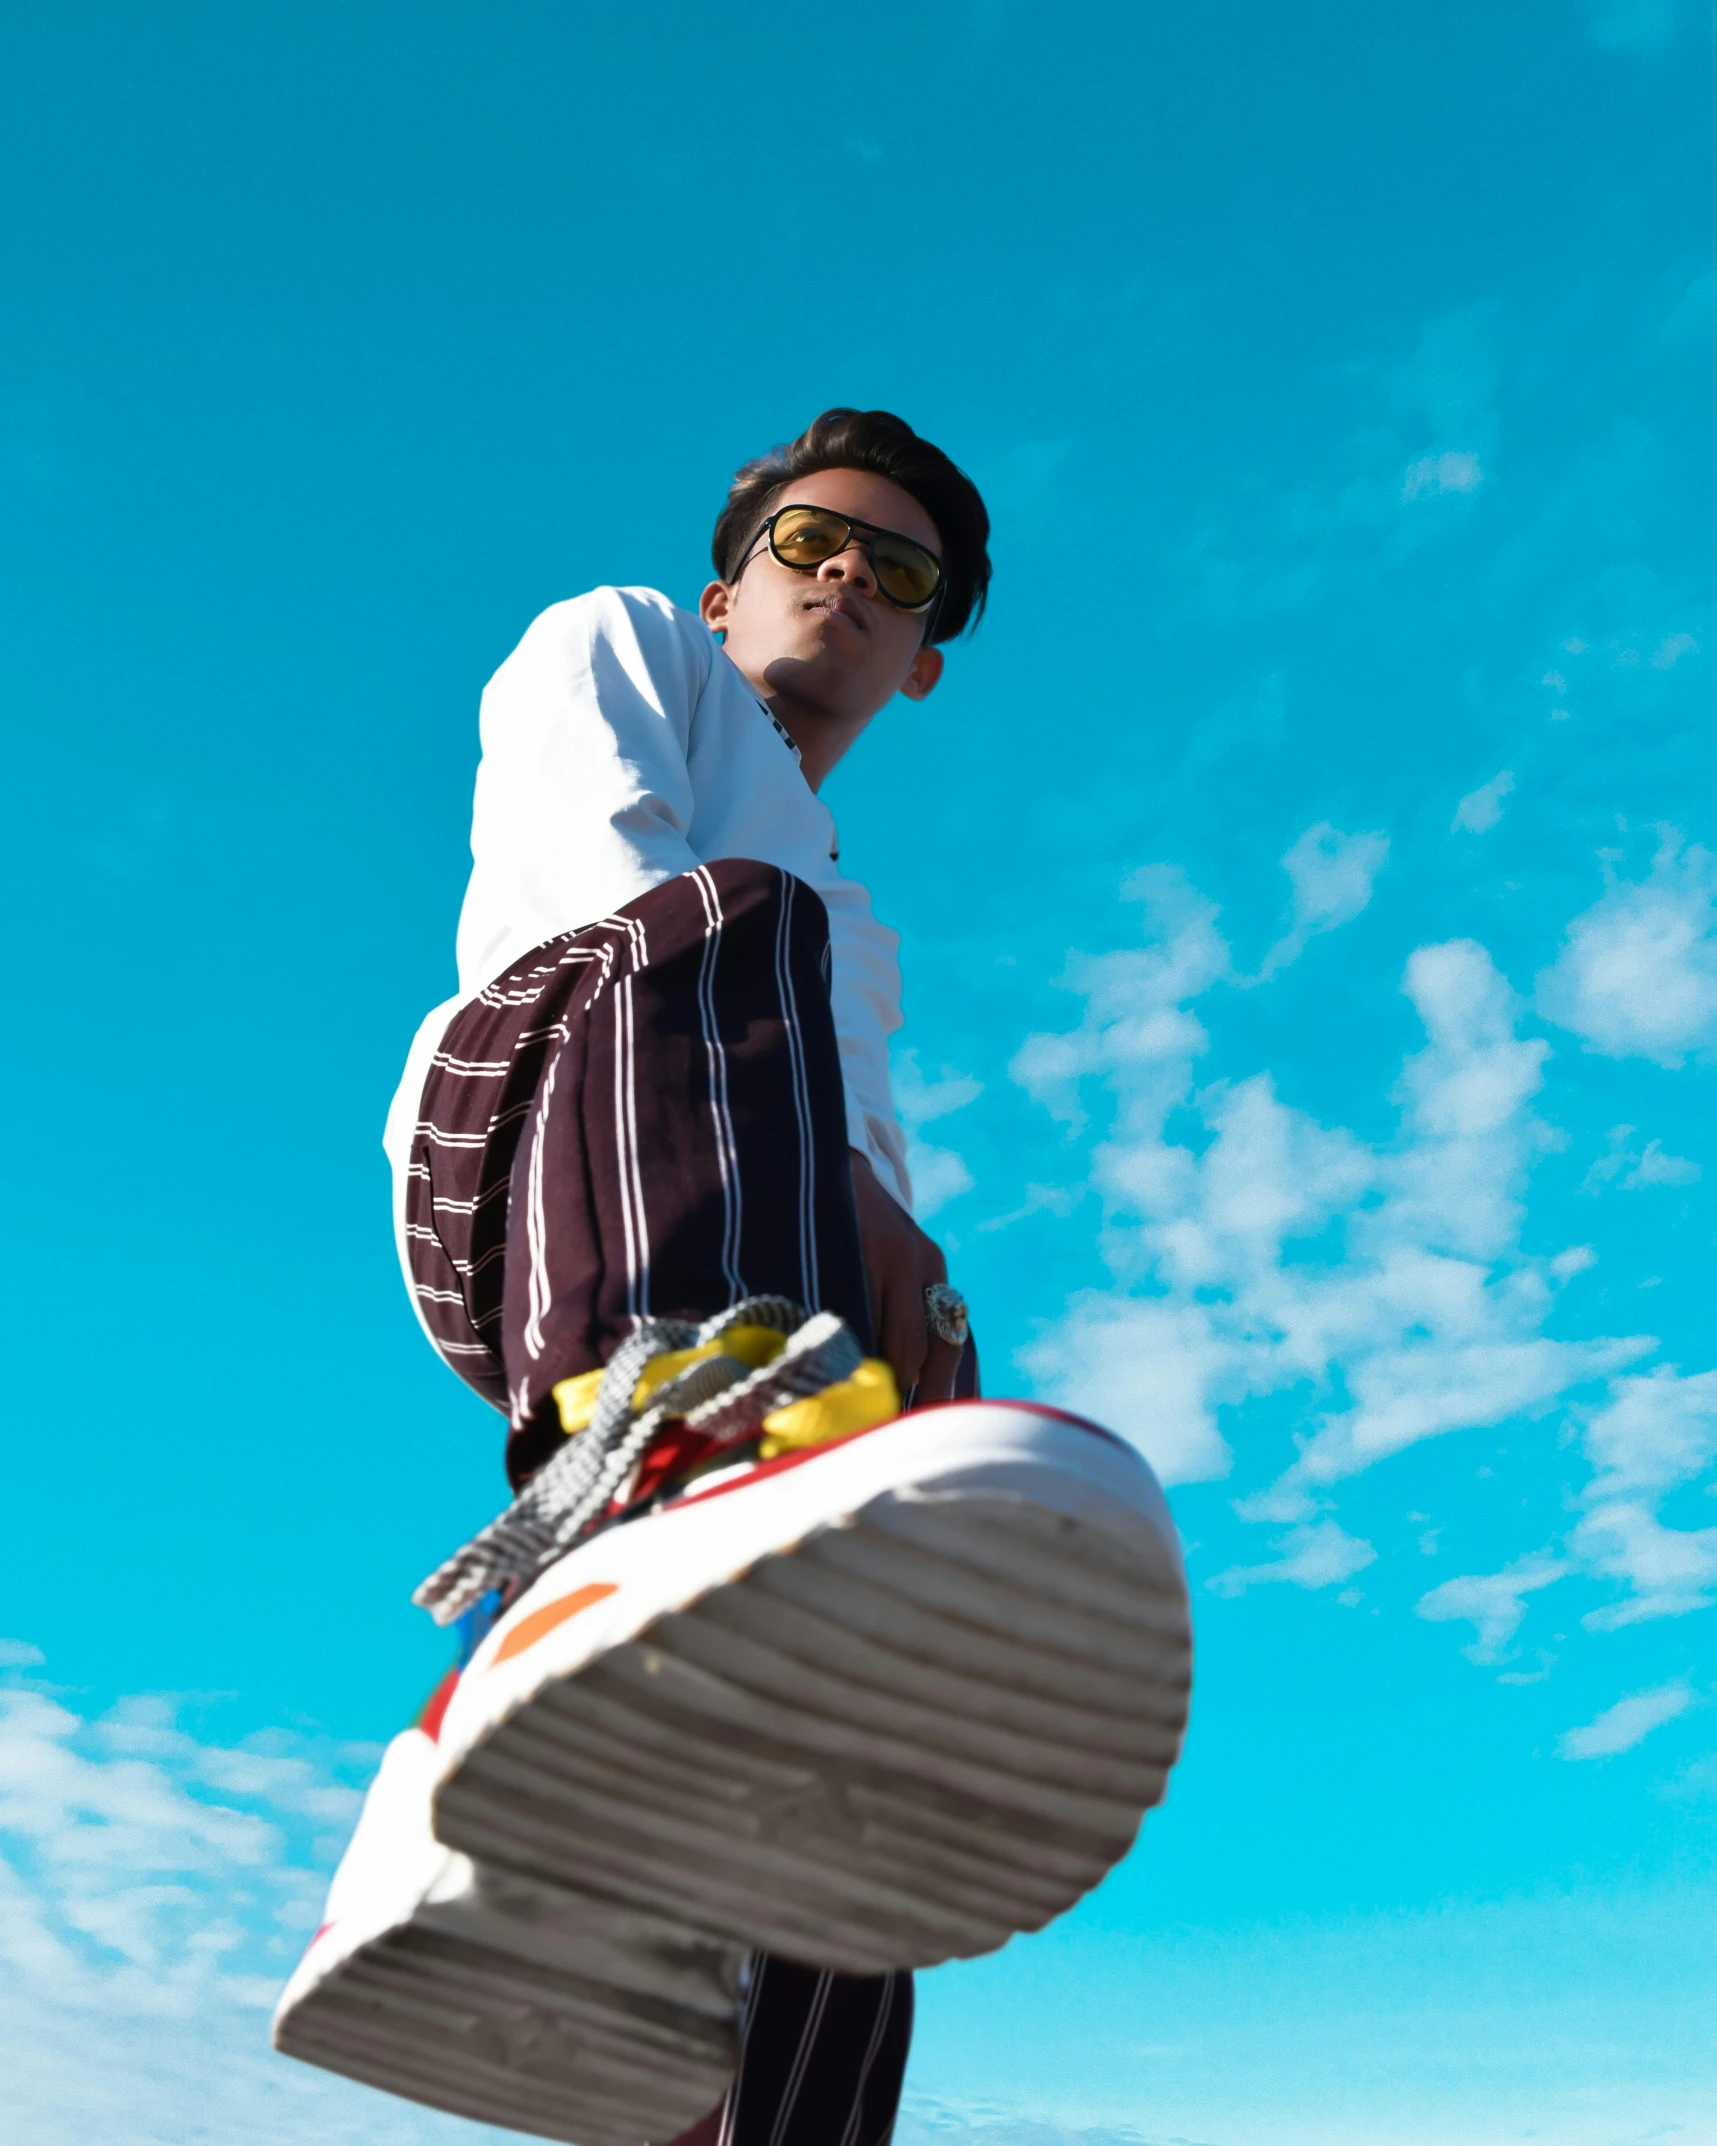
pixel 827 649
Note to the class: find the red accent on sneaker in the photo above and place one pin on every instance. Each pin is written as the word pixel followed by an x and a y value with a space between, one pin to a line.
pixel 435 1706
pixel 676 1448
pixel 783 1461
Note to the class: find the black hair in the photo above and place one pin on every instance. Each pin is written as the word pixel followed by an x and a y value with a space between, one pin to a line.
pixel 886 445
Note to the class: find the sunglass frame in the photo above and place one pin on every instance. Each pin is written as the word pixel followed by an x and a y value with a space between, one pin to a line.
pixel 870 532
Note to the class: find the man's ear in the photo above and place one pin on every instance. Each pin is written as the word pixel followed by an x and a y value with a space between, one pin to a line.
pixel 926 670
pixel 714 606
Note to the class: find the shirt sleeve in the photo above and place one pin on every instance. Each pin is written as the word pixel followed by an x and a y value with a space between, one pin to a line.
pixel 583 797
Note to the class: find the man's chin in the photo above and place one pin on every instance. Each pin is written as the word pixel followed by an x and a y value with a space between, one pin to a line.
pixel 817 674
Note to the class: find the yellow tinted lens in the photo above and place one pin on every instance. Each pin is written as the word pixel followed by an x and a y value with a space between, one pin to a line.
pixel 805 537
pixel 906 571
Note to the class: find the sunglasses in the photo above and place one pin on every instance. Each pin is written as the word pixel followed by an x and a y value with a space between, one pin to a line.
pixel 804 537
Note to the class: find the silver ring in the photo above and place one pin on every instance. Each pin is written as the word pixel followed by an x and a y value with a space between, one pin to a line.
pixel 945 1313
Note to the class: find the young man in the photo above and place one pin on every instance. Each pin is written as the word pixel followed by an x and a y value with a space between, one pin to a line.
pixel 779 1673
pixel 664 1087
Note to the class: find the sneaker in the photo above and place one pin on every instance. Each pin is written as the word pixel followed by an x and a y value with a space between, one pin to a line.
pixel 870 1704
pixel 503 1997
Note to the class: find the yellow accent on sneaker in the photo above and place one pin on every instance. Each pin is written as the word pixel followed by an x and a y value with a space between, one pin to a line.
pixel 854 1404
pixel 753 1346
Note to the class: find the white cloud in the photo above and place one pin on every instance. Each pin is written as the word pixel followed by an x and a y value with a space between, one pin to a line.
pixel 1637 974
pixel 1660 1168
pixel 1669 653
pixel 155 1888
pixel 1332 876
pixel 1696 1782
pixel 1651 1435
pixel 1493 1603
pixel 1039 1200
pixel 920 1101
pixel 1479 811
pixel 1434 474
pixel 1149 1368
pixel 1468 1132
pixel 1669 1570
pixel 1380 1289
pixel 1422 1389
pixel 1652 1432
pixel 1136 1029
pixel 1628 1722
pixel 1453 1339
pixel 19 1654
pixel 938 1174
pixel 1633 1172
pixel 1418 1306
pixel 138 1835
pixel 1316 1555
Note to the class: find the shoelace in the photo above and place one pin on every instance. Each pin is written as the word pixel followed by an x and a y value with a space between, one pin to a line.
pixel 718 1396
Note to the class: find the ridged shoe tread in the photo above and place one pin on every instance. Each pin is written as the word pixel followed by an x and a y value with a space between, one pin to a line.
pixel 902 1740
pixel 506 2041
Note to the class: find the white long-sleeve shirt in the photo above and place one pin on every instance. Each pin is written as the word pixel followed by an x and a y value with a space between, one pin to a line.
pixel 621 747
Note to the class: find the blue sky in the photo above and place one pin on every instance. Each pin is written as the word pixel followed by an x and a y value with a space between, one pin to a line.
pixel 1309 908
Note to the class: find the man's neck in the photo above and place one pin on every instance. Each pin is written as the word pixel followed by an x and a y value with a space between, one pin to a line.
pixel 821 737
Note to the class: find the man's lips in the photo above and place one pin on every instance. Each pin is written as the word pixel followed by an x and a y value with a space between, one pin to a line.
pixel 846 607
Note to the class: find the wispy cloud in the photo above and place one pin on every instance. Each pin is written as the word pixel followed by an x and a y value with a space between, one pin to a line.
pixel 939 1174
pixel 1632 1169
pixel 1317 1555
pixel 1454 470
pixel 1628 1722
pixel 927 2120
pixel 1668 1571
pixel 1136 1032
pixel 1637 974
pixel 1669 651
pixel 1426 433
pixel 1384 1284
pixel 1492 1603
pixel 1652 1432
pixel 1152 1366
pixel 156 1885
pixel 1652 1435
pixel 1479 811
pixel 1332 875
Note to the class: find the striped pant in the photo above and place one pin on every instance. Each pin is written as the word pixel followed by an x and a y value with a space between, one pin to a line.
pixel 820 2062
pixel 645 1118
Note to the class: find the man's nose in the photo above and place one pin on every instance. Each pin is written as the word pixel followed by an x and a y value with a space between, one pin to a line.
pixel 852 565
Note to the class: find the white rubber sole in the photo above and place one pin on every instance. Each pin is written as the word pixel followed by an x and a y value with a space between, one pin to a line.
pixel 871 1707
pixel 502 1998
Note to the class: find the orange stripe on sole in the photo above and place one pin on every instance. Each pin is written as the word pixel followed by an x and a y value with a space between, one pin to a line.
pixel 540 1623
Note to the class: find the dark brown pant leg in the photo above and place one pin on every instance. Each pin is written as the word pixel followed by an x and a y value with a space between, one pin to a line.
pixel 644 1119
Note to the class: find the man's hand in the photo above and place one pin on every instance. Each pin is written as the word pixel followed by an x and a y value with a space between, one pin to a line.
pixel 900 1263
